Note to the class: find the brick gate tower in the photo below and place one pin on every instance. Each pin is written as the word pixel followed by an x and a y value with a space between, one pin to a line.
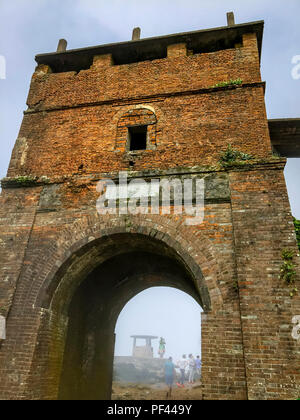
pixel 183 106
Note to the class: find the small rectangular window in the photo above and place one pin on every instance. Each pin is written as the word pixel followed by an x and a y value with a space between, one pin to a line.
pixel 137 137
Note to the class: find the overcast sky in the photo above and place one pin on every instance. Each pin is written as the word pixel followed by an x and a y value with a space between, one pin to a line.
pixel 29 27
pixel 163 312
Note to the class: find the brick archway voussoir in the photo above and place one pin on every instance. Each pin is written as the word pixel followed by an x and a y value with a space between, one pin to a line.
pixel 196 254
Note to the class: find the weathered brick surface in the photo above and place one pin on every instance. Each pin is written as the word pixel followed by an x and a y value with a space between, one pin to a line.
pixel 52 240
pixel 190 130
pixel 159 77
pixel 17 213
pixel 263 228
pixel 90 108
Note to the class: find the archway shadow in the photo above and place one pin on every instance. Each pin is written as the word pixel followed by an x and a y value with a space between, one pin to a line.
pixel 86 297
pixel 94 309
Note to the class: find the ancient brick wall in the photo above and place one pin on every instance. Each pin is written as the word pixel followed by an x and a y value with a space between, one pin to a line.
pixel 51 239
pixel 263 228
pixel 105 82
pixel 68 112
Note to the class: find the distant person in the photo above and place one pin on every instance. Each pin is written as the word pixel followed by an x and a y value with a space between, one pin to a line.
pixel 182 364
pixel 162 347
pixel 198 366
pixel 169 375
pixel 192 368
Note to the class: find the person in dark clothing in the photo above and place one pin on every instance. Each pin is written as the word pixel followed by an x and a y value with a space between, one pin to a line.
pixel 169 375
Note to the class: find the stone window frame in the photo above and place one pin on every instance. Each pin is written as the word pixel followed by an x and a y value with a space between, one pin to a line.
pixel 134 118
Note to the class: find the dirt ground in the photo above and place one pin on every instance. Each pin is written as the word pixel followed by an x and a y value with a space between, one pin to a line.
pixel 127 391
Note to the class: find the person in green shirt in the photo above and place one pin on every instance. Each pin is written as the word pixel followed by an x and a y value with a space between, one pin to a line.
pixel 162 347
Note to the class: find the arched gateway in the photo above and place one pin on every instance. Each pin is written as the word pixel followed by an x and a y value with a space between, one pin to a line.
pixel 130 263
pixel 187 111
pixel 74 306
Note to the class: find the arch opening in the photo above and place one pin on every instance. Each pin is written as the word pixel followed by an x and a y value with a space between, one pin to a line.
pixel 138 365
pixel 91 289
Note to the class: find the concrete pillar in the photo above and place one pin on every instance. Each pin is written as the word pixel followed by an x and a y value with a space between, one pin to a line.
pixel 136 34
pixel 230 19
pixel 62 46
pixel 134 346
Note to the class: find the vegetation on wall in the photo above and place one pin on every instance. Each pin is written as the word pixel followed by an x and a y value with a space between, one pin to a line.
pixel 228 83
pixel 297 228
pixel 24 181
pixel 232 156
pixel 288 270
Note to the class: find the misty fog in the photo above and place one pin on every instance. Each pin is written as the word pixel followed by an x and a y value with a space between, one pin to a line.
pixel 163 312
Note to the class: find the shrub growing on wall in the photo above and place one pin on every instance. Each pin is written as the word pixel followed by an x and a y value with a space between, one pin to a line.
pixel 297 227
